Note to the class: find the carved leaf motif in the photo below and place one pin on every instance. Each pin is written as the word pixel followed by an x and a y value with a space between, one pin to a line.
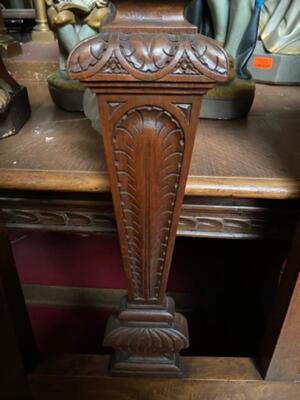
pixel 146 341
pixel 210 55
pixel 84 58
pixel 148 146
pixel 149 53
pixel 149 56
pixel 59 219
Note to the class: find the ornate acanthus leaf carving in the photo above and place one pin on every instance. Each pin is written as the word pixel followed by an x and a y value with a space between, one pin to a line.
pixel 84 57
pixel 149 57
pixel 149 53
pixel 142 341
pixel 148 145
pixel 210 55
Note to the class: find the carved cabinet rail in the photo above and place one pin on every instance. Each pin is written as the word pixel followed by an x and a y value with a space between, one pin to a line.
pixel 199 216
pixel 149 81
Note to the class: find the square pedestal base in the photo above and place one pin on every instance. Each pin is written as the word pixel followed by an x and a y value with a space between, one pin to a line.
pixel 123 364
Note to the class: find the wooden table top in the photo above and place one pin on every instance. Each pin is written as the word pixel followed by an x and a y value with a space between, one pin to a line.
pixel 257 157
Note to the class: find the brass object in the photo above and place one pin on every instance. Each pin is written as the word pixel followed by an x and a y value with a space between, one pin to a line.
pixel 41 32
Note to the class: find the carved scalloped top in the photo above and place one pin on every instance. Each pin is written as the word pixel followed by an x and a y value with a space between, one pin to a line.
pixel 118 56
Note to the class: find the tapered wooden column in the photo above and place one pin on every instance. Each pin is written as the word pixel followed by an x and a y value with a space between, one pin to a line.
pixel 149 69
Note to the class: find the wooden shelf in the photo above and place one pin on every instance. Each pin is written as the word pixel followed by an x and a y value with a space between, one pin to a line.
pixel 64 377
pixel 257 157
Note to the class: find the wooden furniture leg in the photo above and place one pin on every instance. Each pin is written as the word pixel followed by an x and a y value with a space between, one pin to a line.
pixel 149 70
pixel 280 355
pixel 17 346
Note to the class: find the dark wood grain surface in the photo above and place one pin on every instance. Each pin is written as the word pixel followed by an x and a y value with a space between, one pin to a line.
pixel 280 348
pixel 80 376
pixel 254 157
pixel 149 109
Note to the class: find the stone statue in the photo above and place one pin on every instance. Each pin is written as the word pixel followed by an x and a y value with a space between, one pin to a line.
pixel 73 21
pixel 280 26
pixel 276 57
pixel 234 23
pixel 230 19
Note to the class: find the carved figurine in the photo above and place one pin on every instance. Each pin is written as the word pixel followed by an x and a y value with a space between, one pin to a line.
pixel 276 57
pixel 235 26
pixel 14 104
pixel 280 26
pixel 73 21
pixel 149 69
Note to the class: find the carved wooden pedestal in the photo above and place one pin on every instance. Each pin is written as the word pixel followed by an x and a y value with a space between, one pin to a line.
pixel 149 69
